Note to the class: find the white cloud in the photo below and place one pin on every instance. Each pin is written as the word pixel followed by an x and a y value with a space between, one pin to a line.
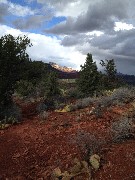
pixel 94 33
pixel 17 9
pixel 3 1
pixel 67 7
pixel 123 26
pixel 8 30
pixel 47 48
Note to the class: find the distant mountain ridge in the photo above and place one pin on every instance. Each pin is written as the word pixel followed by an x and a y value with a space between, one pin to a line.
pixel 129 79
pixel 69 73
pixel 63 72
pixel 62 68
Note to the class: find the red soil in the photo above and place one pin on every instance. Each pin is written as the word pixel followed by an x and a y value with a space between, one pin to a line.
pixel 32 149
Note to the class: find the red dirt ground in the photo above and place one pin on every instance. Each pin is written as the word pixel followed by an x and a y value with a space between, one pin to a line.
pixel 33 149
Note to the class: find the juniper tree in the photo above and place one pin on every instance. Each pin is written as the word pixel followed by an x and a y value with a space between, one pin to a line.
pixel 13 58
pixel 110 78
pixel 88 81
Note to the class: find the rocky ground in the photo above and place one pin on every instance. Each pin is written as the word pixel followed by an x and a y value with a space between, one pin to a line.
pixel 34 148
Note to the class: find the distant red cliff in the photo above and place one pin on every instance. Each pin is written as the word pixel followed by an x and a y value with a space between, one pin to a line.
pixel 63 72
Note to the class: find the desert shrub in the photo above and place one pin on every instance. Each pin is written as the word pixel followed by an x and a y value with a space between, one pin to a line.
pixel 41 107
pixel 124 94
pixel 122 129
pixel 108 92
pixel 82 103
pixel 52 85
pixel 10 113
pixel 88 144
pixel 118 97
pixel 73 92
pixel 64 109
pixel 43 115
pixel 59 105
pixel 55 102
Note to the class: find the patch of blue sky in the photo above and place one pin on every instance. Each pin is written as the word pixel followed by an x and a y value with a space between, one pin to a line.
pixel 9 20
pixel 54 21
pixel 32 4
pixel 19 2
pixel 36 30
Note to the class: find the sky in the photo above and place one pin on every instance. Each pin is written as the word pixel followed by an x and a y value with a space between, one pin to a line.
pixel 64 31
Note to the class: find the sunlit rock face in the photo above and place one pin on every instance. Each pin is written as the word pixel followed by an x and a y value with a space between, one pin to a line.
pixel 64 68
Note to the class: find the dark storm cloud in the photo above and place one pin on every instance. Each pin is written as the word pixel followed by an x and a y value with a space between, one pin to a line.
pixel 31 22
pixel 108 41
pixel 120 43
pixel 125 66
pixel 127 48
pixel 101 16
pixel 76 39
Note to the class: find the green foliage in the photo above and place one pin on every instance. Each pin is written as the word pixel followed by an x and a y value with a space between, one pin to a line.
pixel 41 107
pixel 35 71
pixel 74 92
pixel 110 68
pixel 52 85
pixel 25 88
pixel 10 113
pixel 65 109
pixel 13 59
pixel 82 103
pixel 43 115
pixel 88 144
pixel 109 80
pixel 122 129
pixel 88 77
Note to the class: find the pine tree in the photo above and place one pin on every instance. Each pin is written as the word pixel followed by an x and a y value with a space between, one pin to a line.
pixel 52 85
pixel 88 77
pixel 51 89
pixel 110 80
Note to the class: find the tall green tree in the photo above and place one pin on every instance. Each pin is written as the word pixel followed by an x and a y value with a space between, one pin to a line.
pixel 52 90
pixel 88 77
pixel 35 71
pixel 110 78
pixel 52 85
pixel 13 59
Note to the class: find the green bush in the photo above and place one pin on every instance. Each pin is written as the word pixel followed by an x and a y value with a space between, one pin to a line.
pixel 74 92
pixel 10 113
pixel 52 85
pixel 25 88
pixel 122 129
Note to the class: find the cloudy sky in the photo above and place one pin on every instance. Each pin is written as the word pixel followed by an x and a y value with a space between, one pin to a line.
pixel 64 31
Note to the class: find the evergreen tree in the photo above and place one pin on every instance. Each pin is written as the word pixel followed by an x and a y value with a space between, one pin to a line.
pixel 110 78
pixel 52 90
pixel 13 59
pixel 52 85
pixel 88 77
